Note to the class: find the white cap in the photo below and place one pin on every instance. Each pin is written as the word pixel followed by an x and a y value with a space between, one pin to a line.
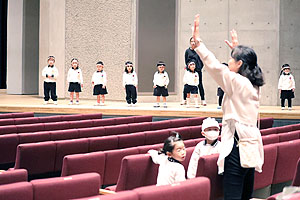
pixel 210 122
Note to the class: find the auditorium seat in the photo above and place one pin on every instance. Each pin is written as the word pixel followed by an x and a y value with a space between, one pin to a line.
pixel 64 134
pixel 36 162
pixel 46 119
pixel 182 122
pixel 268 131
pixel 113 160
pixel 143 118
pixel 126 195
pixel 8 129
pixel 8 148
pixel 192 189
pixel 266 123
pixel 270 139
pixel 68 147
pixel 196 121
pixel 13 176
pixel 293 135
pixel 69 187
pixel 6 122
pixel 84 163
pixel 131 140
pixel 51 126
pixel 144 149
pixel 284 129
pixel 104 122
pixel 74 117
pixel 81 124
pixel 154 137
pixel 103 143
pixel 26 120
pixel 26 128
pixel 124 120
pixel 16 191
pixel 185 132
pixel 34 137
pixel 91 132
pixel 138 127
pixel 195 132
pixel 159 125
pixel 116 129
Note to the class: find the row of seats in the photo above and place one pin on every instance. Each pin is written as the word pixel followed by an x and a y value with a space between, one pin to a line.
pixel 96 161
pixel 62 188
pixel 192 189
pixel 62 125
pixel 86 187
pixel 13 176
pixel 280 129
pixel 46 119
pixel 9 142
pixel 279 166
pixel 47 157
pixel 280 137
pixel 16 115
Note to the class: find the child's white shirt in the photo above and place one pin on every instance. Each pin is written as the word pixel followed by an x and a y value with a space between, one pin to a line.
pixel 99 78
pixel 191 78
pixel 286 82
pixel 168 172
pixel 201 149
pixel 75 75
pixel 50 71
pixel 130 79
pixel 161 79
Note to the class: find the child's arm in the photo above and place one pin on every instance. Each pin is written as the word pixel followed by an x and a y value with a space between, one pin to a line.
pixel 69 75
pixel 293 83
pixel 167 80
pixel 55 75
pixel 193 165
pixel 185 77
pixel 104 80
pixel 156 158
pixel 280 83
pixel 135 80
pixel 124 77
pixel 81 78
pixel 154 80
pixel 44 73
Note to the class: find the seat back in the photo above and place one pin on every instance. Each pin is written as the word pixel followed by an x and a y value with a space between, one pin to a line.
pixel 13 176
pixel 69 187
pixel 296 179
pixel 270 139
pixel 8 148
pixel 21 190
pixel 84 163
pixel 137 171
pixel 198 188
pixel 266 123
pixel 293 135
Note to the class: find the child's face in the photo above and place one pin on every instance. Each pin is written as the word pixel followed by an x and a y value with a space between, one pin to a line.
pixel 192 43
pixel 287 70
pixel 179 151
pixel 74 63
pixel 129 68
pixel 192 67
pixel 211 133
pixel 100 68
pixel 161 68
pixel 51 61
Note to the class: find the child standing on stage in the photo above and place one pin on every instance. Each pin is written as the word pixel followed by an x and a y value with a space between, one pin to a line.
pixel 170 169
pixel 211 144
pixel 50 74
pixel 130 83
pixel 160 84
pixel 191 81
pixel 75 80
pixel 99 83
pixel 286 86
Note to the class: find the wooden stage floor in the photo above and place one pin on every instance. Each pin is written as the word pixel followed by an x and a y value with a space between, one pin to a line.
pixel 33 103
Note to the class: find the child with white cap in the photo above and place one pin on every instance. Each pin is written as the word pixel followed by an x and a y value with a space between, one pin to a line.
pixel 210 130
pixel 286 86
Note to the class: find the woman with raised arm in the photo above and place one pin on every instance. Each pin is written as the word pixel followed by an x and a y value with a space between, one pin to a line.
pixel 241 152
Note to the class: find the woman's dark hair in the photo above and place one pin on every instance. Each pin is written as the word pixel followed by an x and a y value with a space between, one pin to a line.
pixel 249 68
pixel 191 38
pixel 169 143
pixel 128 63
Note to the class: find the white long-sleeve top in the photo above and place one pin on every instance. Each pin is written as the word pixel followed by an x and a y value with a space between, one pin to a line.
pixel 50 71
pixel 75 75
pixel 161 79
pixel 286 82
pixel 201 149
pixel 191 78
pixel 130 79
pixel 168 172
pixel 99 78
pixel 240 107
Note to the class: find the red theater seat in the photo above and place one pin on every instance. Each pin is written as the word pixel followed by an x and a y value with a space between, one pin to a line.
pixel 116 129
pixel 270 139
pixel 16 191
pixel 26 120
pixel 91 132
pixel 56 126
pixel 8 148
pixel 159 125
pixel 139 127
pixel 196 121
pixel 124 120
pixel 131 140
pixel 294 135
pixel 174 123
pixel 103 143
pixel 64 134
pixel 13 176
pixel 154 137
pixel 142 118
pixel 28 128
pixel 266 123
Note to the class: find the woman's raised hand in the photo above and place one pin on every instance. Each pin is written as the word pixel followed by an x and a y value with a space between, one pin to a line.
pixel 234 39
pixel 196 34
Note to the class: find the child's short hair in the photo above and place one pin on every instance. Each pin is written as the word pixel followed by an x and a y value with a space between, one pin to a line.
pixel 99 63
pixel 160 63
pixel 51 57
pixel 169 142
pixel 285 66
pixel 189 63
pixel 128 63
pixel 209 122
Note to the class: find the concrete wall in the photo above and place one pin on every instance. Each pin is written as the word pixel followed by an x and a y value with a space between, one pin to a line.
pixel 257 24
pixel 99 30
pixel 289 42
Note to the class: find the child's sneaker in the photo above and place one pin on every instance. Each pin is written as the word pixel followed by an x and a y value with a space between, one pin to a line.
pixel 282 108
pixel 197 105
pixel 77 102
pixel 203 103
pixel 165 105
pixel 133 105
pixel 45 102
pixel 290 108
pixel 55 102
pixel 97 104
pixel 183 102
pixel 102 104
pixel 129 104
pixel 156 105
pixel 71 103
pixel 219 107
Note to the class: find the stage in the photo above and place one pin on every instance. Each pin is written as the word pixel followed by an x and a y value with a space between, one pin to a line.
pixel 34 103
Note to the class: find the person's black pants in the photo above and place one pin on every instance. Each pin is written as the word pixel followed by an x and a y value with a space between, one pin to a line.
pixel 289 102
pixel 220 99
pixel 130 94
pixel 50 87
pixel 200 86
pixel 238 182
